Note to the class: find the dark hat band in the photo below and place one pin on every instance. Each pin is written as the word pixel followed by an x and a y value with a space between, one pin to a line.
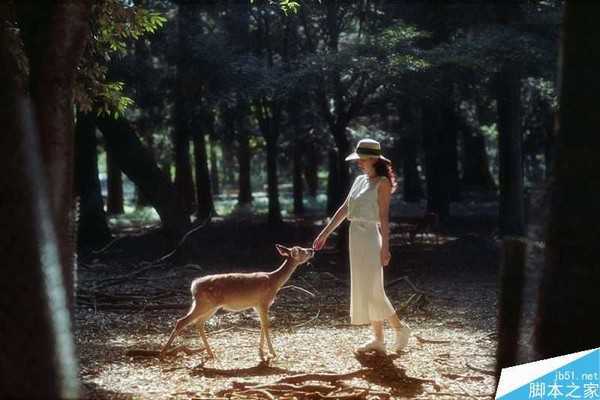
pixel 368 152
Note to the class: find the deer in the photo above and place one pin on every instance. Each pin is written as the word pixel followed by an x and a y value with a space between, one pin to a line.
pixel 237 292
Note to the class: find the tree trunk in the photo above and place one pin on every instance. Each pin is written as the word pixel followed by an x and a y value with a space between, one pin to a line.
pixel 55 35
pixel 568 298
pixel 332 181
pixel 184 182
pixel 413 191
pixel 298 184
pixel 214 163
pixel 312 157
pixel 205 207
pixel 243 135
pixel 229 120
pixel 93 229
pixel 38 356
pixel 438 196
pixel 139 165
pixel 512 210
pixel 512 278
pixel 476 169
pixel 114 200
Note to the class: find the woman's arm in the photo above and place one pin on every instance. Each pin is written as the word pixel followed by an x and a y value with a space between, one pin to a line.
pixel 337 219
pixel 384 195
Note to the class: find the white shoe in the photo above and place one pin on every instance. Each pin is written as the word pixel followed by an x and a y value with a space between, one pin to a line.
pixel 402 336
pixel 374 344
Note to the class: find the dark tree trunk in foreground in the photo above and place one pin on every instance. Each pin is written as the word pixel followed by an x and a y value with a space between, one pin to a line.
pixel 114 185
pixel 512 278
pixel 36 286
pixel 92 229
pixel 139 165
pixel 512 209
pixel 568 298
pixel 55 35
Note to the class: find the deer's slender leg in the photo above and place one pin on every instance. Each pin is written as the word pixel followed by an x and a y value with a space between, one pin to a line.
pixel 204 339
pixel 263 311
pixel 196 311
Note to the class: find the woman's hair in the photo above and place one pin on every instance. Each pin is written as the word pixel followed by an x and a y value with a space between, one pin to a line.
pixel 384 168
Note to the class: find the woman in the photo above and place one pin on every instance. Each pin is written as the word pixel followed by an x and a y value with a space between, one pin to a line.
pixel 367 208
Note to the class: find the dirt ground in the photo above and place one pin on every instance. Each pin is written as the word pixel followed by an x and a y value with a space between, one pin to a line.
pixel 129 301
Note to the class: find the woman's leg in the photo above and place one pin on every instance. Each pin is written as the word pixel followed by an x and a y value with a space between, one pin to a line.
pixel 377 327
pixel 402 332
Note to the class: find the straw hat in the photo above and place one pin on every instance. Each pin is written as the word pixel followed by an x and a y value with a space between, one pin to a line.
pixel 367 148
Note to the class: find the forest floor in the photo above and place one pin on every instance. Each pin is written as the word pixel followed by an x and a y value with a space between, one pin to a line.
pixel 128 301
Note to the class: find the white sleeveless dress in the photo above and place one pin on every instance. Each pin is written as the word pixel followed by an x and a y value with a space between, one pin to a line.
pixel 368 301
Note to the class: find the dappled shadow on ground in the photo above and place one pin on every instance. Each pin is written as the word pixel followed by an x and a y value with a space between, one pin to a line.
pixel 381 370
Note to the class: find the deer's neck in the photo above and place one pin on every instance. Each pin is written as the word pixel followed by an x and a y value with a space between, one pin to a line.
pixel 283 273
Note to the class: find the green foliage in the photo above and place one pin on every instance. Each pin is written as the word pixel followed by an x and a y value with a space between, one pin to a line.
pixel 114 26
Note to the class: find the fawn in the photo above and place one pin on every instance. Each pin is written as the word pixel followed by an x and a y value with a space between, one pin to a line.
pixel 240 291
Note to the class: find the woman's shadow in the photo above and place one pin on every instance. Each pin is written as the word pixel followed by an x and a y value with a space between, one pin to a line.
pixel 380 370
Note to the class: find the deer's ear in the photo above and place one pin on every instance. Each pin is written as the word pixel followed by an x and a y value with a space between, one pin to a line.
pixel 284 251
pixel 294 252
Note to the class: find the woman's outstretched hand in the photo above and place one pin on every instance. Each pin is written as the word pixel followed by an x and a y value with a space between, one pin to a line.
pixel 385 256
pixel 319 241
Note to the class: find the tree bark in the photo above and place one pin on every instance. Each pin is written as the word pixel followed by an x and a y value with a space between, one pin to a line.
pixel 312 158
pixel 184 183
pixel 93 229
pixel 512 209
pixel 512 279
pixel 114 183
pixel 38 357
pixel 55 35
pixel 243 134
pixel 438 196
pixel 568 298
pixel 476 168
pixel 205 207
pixel 215 181
pixel 139 165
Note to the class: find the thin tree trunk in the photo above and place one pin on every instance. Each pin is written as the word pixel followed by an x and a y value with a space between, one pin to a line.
pixel 214 163
pixel 139 165
pixel 245 190
pixel 438 196
pixel 568 298
pixel 114 201
pixel 93 229
pixel 312 157
pixel 476 170
pixel 205 206
pixel 332 181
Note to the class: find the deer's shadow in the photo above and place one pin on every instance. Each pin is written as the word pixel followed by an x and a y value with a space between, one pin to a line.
pixel 263 368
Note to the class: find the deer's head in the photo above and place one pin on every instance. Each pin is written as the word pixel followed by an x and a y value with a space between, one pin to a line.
pixel 298 254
